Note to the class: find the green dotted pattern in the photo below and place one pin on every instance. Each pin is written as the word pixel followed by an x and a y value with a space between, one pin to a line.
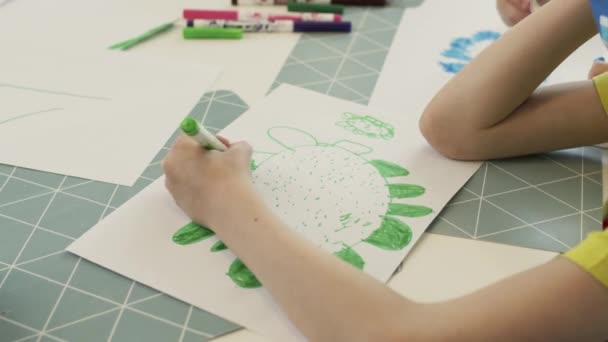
pixel 548 202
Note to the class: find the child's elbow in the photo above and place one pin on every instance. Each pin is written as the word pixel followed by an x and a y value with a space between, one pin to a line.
pixel 450 138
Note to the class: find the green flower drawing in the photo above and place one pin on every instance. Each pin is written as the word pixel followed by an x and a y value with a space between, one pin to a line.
pixel 366 201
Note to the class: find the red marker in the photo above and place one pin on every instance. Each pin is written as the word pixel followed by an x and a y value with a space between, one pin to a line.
pixel 193 14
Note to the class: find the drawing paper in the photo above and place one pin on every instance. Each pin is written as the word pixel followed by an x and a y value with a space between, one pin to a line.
pixel 422 50
pixel 250 65
pixel 95 116
pixel 339 173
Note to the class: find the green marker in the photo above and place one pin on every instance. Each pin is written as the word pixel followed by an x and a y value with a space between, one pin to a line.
pixel 314 8
pixel 202 136
pixel 212 33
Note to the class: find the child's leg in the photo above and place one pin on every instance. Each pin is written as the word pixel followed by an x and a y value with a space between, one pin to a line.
pixel 489 110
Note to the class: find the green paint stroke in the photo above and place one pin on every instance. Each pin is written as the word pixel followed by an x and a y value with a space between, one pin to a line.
pixel 405 190
pixel 191 233
pixel 388 169
pixel 367 126
pixel 345 217
pixel 408 210
pixel 242 276
pixel 218 246
pixel 350 256
pixel 393 235
pixel 252 165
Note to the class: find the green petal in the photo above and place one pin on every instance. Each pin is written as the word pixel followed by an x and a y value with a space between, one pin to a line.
pixel 408 210
pixel 393 235
pixel 405 190
pixel 242 276
pixel 218 246
pixel 388 169
pixel 350 256
pixel 191 233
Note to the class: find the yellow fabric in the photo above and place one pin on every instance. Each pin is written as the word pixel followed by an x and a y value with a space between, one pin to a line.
pixel 592 255
pixel 601 85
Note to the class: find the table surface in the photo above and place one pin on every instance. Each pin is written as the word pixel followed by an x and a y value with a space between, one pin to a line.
pixel 547 202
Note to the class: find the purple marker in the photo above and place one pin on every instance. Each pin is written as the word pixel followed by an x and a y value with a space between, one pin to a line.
pixel 276 26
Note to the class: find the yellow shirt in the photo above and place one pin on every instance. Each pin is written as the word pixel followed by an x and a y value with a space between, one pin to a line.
pixel 601 85
pixel 592 255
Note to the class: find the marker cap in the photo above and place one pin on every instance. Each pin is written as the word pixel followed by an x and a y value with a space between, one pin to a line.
pixel 212 33
pixel 315 8
pixel 189 126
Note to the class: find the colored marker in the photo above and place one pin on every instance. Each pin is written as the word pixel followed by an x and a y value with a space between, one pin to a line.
pixel 212 33
pixel 259 2
pixel 333 2
pixel 192 14
pixel 317 8
pixel 276 26
pixel 202 136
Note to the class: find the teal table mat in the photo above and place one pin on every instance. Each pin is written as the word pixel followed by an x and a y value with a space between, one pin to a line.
pixel 547 201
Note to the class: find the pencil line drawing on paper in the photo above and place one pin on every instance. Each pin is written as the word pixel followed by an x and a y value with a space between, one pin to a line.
pixel 367 126
pixel 332 194
pixel 463 49
pixel 26 115
pixel 54 92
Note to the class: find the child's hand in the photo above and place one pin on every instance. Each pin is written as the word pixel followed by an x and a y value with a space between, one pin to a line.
pixel 513 11
pixel 206 184
pixel 598 68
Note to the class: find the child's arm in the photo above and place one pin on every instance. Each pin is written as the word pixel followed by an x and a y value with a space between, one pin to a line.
pixel 329 300
pixel 489 110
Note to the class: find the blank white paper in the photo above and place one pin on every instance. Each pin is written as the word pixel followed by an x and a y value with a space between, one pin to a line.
pixel 95 116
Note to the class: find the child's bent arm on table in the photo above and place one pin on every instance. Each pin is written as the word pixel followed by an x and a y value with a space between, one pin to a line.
pixel 491 109
pixel 329 300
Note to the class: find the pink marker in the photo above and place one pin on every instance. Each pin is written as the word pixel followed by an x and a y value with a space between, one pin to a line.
pixel 193 14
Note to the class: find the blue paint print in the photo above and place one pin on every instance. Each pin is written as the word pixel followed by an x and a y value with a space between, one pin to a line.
pixel 460 50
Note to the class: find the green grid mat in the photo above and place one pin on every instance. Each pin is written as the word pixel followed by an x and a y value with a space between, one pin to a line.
pixel 548 202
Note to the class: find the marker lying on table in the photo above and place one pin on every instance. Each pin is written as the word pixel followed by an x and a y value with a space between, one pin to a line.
pixel 334 2
pixel 212 33
pixel 192 14
pixel 197 132
pixel 316 8
pixel 275 26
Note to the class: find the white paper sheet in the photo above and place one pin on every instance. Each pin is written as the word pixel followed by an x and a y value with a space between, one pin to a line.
pixel 250 65
pixel 334 196
pixel 101 117
pixel 412 75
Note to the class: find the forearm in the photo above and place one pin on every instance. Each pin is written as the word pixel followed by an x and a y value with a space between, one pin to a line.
pixel 558 301
pixel 504 75
pixel 326 298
